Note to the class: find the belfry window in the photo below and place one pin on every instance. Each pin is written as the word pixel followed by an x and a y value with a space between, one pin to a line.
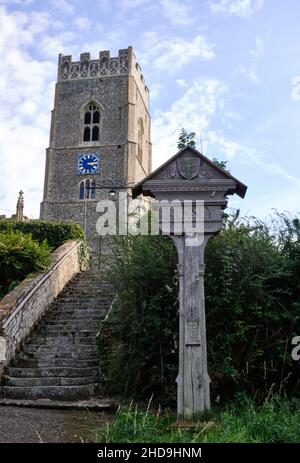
pixel 91 122
pixel 87 134
pixel 95 133
pixel 87 189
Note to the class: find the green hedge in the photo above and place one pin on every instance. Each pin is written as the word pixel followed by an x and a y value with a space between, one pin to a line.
pixel 20 255
pixel 54 233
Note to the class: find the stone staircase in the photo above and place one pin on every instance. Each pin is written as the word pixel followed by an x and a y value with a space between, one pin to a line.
pixel 60 359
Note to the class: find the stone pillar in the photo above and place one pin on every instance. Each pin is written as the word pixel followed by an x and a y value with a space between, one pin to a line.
pixel 193 395
pixel 20 207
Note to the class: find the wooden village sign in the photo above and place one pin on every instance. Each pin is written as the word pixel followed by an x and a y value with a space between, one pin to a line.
pixel 190 176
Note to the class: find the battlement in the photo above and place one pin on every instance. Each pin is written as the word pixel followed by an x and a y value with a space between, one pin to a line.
pixel 102 67
pixel 87 68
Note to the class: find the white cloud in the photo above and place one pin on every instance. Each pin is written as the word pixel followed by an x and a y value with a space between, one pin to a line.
pixel 259 49
pixel 229 149
pixel 182 83
pixel 82 23
pixel 64 6
pixel 51 46
pixel 241 8
pixel 133 3
pixel 171 54
pixel 194 110
pixel 104 5
pixel 156 91
pixel 271 167
pixel 178 13
pixel 16 2
pixel 251 72
pixel 26 99
pixel 219 146
pixel 29 45
pixel 284 199
pixel 200 109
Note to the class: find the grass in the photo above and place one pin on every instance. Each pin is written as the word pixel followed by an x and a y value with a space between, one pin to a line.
pixel 276 420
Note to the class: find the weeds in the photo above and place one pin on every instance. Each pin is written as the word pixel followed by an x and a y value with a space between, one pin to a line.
pixel 277 420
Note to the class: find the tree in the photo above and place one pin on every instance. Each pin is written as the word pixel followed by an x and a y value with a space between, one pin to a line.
pixel 186 139
pixel 221 164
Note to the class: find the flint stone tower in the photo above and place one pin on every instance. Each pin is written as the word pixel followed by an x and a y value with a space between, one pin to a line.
pixel 99 136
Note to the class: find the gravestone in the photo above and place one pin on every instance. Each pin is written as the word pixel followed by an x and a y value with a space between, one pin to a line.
pixel 191 178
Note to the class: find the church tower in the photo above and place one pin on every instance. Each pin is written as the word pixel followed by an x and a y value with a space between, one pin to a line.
pixel 99 137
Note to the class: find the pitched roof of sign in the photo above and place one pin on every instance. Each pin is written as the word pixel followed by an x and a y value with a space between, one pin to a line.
pixel 241 188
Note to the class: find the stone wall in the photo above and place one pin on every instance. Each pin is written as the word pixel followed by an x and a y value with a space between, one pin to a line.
pixel 24 305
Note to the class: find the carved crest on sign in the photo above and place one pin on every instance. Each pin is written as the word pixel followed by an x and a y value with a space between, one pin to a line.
pixel 188 167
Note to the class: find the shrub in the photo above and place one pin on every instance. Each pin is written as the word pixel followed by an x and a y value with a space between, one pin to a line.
pixel 55 233
pixel 252 306
pixel 19 256
pixel 138 341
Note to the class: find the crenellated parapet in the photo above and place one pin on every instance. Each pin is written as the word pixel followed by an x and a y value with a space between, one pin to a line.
pixel 87 68
pixel 106 66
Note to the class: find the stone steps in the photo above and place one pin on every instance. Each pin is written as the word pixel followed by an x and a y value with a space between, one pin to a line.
pixel 49 381
pixel 96 404
pixel 42 336
pixel 50 392
pixel 61 331
pixel 55 362
pixel 69 319
pixel 49 372
pixel 60 358
pixel 65 345
pixel 54 354
pixel 58 348
pixel 83 300
pixel 80 313
pixel 70 325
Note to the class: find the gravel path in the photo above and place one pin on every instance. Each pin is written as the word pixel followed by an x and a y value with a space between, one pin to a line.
pixel 21 425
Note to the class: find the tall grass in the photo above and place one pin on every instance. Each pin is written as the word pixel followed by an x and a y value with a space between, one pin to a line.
pixel 275 421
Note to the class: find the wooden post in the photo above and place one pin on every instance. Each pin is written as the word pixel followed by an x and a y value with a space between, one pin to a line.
pixel 190 176
pixel 193 396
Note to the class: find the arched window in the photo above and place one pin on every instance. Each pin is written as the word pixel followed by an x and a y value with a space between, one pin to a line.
pixel 87 189
pixel 81 190
pixel 95 134
pixel 87 134
pixel 96 117
pixel 140 139
pixel 87 117
pixel 93 190
pixel 91 122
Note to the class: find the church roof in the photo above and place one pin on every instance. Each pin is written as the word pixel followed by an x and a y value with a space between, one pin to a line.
pixel 240 189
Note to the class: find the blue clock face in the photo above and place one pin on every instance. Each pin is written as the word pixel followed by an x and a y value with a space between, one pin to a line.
pixel 88 164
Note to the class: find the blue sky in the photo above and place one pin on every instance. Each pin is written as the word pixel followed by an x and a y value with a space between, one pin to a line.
pixel 229 69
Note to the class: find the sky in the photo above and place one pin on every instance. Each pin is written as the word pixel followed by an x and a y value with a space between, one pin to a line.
pixel 228 70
